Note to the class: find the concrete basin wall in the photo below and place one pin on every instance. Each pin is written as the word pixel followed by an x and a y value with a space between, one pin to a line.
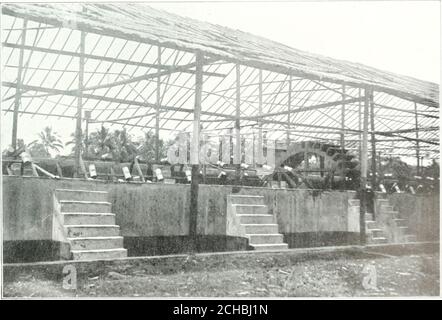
pixel 163 209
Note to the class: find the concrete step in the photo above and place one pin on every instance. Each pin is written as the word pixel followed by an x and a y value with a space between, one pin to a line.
pixel 354 202
pixel 81 195
pixel 410 238
pixel 368 217
pixel 392 213
pixel 375 240
pixel 250 208
pixel 255 218
pixel 99 254
pixel 387 208
pixel 96 243
pixel 73 231
pixel 403 229
pixel 85 206
pixel 371 224
pixel 265 238
pixel 246 199
pixel 270 228
pixel 400 222
pixel 82 218
pixel 270 247
pixel 376 232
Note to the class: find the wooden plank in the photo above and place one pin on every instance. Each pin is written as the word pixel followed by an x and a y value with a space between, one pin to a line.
pixel 59 170
pixel 138 168
pixel 50 175
pixel 18 90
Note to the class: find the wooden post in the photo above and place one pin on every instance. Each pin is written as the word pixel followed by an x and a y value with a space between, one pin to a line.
pixel 260 160
pixel 373 144
pixel 343 119
pixel 418 164
pixel 83 167
pixel 112 174
pixel 17 100
pixel 34 170
pixel 87 116
pixel 138 168
pixel 79 107
pixel 237 154
pixel 343 136
pixel 363 186
pixel 289 106
pixel 360 125
pixel 59 171
pixel 195 146
pixel 157 114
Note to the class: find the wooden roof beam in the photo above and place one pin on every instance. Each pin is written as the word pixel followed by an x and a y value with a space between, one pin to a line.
pixel 109 99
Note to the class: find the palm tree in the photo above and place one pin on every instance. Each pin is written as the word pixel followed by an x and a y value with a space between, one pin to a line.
pixel 73 142
pixel 125 149
pixel 50 140
pixel 100 142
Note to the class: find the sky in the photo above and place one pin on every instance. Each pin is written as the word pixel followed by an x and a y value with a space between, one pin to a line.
pixel 401 37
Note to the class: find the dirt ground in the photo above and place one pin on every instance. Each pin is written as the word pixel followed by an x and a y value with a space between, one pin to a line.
pixel 394 276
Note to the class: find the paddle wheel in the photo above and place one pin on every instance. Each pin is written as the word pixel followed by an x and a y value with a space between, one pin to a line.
pixel 315 165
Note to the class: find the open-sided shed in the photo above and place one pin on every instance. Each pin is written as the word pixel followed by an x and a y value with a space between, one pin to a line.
pixel 139 67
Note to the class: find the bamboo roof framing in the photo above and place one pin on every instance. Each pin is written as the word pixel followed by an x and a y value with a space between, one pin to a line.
pixel 137 58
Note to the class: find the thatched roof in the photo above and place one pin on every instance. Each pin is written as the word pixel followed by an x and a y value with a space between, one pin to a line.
pixel 145 24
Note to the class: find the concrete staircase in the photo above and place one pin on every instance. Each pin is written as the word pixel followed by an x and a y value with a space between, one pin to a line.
pixel 374 234
pixel 259 226
pixel 400 229
pixel 89 226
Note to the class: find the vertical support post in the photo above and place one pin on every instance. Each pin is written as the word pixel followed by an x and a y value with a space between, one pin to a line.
pixel 237 154
pixel 260 140
pixel 17 100
pixel 360 125
pixel 87 115
pixel 343 135
pixel 364 160
pixel 343 119
pixel 418 164
pixel 78 133
pixel 289 106
pixel 157 113
pixel 195 146
pixel 373 144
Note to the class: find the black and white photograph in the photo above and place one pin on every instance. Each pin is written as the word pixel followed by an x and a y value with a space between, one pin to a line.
pixel 220 150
